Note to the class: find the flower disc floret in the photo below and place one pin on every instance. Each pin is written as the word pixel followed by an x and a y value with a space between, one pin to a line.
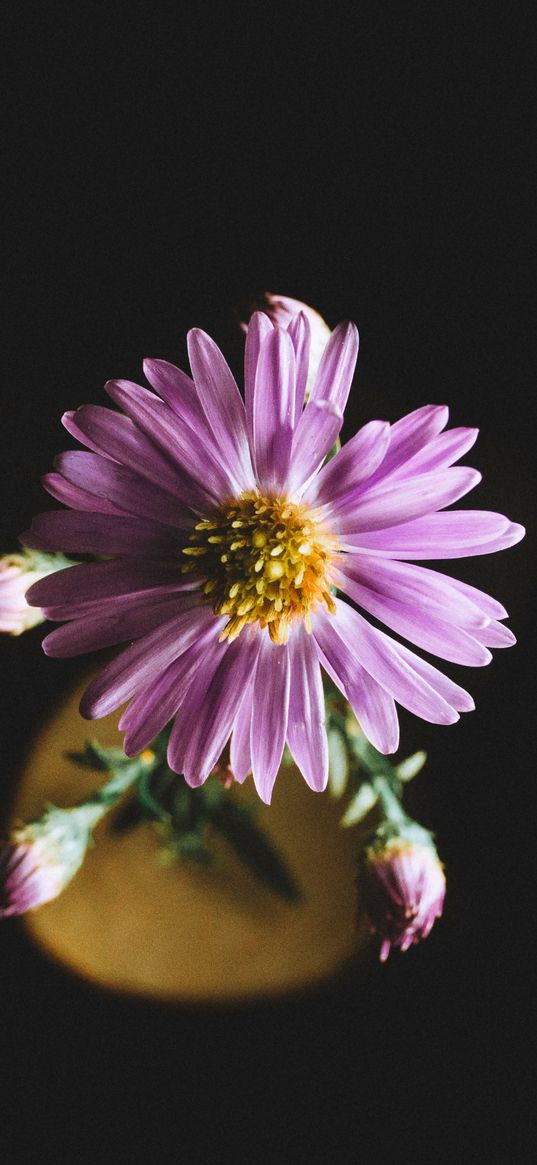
pixel 265 560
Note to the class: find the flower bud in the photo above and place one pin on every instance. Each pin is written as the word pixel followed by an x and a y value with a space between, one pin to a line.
pixel 39 859
pixel 18 572
pixel 403 888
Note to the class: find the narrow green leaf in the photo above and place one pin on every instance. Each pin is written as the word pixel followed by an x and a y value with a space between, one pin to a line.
pixel 360 805
pixel 255 850
pixel 150 789
pixel 411 766
pixel 338 763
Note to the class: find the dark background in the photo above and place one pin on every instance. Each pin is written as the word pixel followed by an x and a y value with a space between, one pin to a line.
pixel 377 162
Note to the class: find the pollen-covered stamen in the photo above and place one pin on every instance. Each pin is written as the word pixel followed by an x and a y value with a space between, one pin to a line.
pixel 265 560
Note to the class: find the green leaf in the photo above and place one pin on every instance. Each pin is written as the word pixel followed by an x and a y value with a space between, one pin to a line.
pixel 255 850
pixel 409 768
pixel 338 763
pixel 360 805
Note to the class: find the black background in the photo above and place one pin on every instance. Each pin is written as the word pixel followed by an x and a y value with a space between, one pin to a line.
pixel 376 161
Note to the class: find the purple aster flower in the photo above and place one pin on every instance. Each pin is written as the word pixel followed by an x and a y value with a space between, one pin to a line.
pixel 403 890
pixel 39 859
pixel 225 535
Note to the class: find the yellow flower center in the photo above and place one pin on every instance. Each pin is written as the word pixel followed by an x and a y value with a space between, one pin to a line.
pixel 265 560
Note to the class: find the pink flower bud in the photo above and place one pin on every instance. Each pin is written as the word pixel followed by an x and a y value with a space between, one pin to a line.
pixel 403 889
pixel 17 574
pixel 39 859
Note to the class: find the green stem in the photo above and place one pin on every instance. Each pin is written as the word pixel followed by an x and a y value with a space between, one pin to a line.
pixel 389 801
pixel 119 782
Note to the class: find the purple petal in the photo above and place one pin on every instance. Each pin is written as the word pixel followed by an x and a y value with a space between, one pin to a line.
pixel 418 587
pixel 273 409
pixel 314 436
pixel 451 692
pixel 306 733
pixel 495 635
pixel 441 638
pixel 388 505
pixel 79 499
pixel 334 375
pixel 116 437
pixel 69 422
pixel 178 391
pixel 213 714
pixel 410 434
pixel 222 404
pixel 258 328
pixel 354 463
pixel 269 721
pixel 381 657
pixel 439 453
pixel 82 533
pixel 240 758
pixel 300 332
pixel 490 607
pixel 373 707
pixel 153 707
pixel 458 534
pixel 123 487
pixel 204 479
pixel 104 629
pixel 192 700
pixel 137 665
pixel 91 582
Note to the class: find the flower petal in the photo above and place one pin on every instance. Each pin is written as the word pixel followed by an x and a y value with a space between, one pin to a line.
pixel 426 590
pixel 72 589
pixel 306 732
pixel 372 705
pixel 271 708
pixel 336 369
pixel 222 404
pixel 79 499
pixel 457 534
pixel 123 487
pixel 204 479
pixel 314 437
pixel 193 699
pixel 258 328
pixel 410 434
pixel 137 665
pixel 386 506
pixel 103 629
pixel 74 531
pixel 426 630
pixel 354 463
pixel 381 657
pixel 273 409
pixel 157 703
pixel 300 332
pixel 213 713
pixel 495 635
pixel 240 755
pixel 116 437
pixel 439 453
pixel 178 391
